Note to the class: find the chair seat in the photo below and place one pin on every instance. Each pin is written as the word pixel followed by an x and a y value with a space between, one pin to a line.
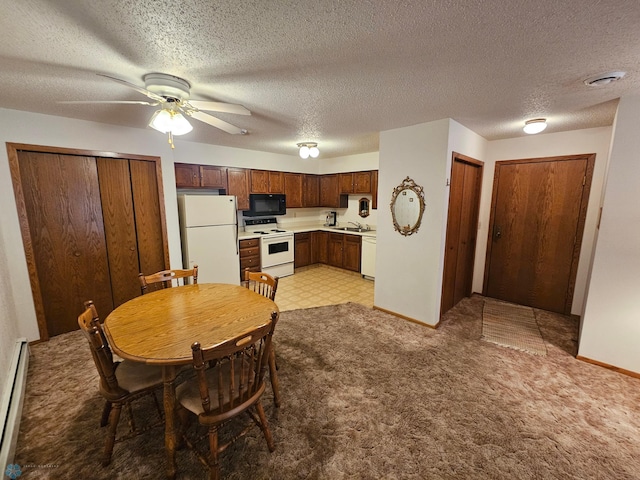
pixel 134 376
pixel 188 393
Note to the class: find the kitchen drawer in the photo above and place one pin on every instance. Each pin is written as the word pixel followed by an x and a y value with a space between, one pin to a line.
pixel 250 262
pixel 249 252
pixel 251 242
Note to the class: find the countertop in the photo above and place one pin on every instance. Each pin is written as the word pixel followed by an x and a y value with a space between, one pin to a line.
pixel 302 228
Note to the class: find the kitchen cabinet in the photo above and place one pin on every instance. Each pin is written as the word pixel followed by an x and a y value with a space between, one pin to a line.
pixel 311 190
pixel 293 184
pixel 344 251
pixel 267 181
pixel 335 249
pixel 187 175
pixel 238 185
pixel 302 190
pixel 319 247
pixel 213 177
pixel 200 176
pixel 249 255
pixel 330 192
pixel 302 249
pixel 351 257
pixel 355 182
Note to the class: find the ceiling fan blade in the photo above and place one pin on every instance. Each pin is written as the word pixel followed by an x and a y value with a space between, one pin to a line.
pixel 143 91
pixel 216 122
pixel 132 102
pixel 219 107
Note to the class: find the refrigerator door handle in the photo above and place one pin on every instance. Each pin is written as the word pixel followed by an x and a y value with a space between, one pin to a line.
pixel 237 235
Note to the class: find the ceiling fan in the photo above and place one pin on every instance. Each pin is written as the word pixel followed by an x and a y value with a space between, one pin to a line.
pixel 171 95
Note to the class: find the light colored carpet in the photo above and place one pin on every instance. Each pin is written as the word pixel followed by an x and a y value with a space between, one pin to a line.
pixel 512 326
pixel 369 396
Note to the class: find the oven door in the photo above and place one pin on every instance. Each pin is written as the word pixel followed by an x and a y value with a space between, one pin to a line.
pixel 276 250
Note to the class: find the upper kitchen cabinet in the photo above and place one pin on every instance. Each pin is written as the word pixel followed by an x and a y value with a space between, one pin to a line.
pixel 213 177
pixel 330 192
pixel 200 176
pixel 267 181
pixel 293 189
pixel 238 185
pixel 310 190
pixel 355 182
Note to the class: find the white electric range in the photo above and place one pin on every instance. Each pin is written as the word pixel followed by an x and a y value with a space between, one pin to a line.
pixel 276 245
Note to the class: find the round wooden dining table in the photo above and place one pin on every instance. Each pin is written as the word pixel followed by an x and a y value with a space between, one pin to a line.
pixel 159 328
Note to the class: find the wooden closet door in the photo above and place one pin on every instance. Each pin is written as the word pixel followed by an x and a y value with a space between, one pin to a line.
pixel 62 200
pixel 149 215
pixel 120 229
pixel 132 220
pixel 462 227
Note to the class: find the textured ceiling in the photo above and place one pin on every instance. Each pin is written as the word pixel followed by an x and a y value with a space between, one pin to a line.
pixel 332 71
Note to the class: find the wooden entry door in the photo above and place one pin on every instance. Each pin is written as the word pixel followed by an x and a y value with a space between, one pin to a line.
pixel 535 233
pixel 462 228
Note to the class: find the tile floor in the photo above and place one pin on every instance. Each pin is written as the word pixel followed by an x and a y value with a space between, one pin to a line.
pixel 320 285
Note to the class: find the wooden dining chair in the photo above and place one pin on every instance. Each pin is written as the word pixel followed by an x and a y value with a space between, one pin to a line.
pixel 266 285
pixel 229 382
pixel 121 383
pixel 168 278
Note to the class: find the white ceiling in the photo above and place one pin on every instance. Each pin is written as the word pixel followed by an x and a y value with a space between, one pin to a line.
pixel 332 71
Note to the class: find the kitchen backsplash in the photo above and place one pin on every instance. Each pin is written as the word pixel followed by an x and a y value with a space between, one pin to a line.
pixel 301 216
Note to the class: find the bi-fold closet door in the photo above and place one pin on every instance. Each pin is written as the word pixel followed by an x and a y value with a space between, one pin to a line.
pixel 92 224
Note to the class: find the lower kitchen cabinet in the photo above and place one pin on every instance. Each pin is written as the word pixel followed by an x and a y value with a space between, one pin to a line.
pixel 335 249
pixel 351 256
pixel 319 242
pixel 249 255
pixel 302 249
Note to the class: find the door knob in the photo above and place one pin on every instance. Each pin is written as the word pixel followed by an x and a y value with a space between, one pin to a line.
pixel 497 233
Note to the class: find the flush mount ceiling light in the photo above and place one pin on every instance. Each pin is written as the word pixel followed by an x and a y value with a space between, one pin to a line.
pixel 535 126
pixel 604 79
pixel 308 149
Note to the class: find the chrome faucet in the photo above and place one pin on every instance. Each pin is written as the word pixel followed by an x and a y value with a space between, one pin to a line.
pixel 357 224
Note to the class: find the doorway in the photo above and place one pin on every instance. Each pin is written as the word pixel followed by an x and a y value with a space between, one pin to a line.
pixel 462 228
pixel 538 211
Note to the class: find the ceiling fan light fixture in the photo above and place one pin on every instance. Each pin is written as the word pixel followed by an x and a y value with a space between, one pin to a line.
pixel 168 121
pixel 308 149
pixel 534 126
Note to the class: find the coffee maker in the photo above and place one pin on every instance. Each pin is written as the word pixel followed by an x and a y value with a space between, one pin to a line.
pixel 332 219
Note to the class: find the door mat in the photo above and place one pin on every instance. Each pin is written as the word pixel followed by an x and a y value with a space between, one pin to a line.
pixel 512 326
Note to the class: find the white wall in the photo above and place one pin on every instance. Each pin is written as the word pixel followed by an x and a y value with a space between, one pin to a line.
pixel 350 163
pixel 408 269
pixel 593 140
pixel 611 322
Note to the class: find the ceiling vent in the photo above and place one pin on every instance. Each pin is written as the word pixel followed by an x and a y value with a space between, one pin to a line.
pixel 604 79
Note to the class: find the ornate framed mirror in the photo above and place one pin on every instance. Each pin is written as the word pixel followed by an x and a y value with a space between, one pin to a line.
pixel 407 207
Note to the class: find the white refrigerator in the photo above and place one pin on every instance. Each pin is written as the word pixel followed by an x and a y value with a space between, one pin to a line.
pixel 209 233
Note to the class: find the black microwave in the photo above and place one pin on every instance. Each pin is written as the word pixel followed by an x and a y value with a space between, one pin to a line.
pixel 262 204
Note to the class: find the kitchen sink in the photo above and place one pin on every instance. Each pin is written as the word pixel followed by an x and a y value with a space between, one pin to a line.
pixel 351 229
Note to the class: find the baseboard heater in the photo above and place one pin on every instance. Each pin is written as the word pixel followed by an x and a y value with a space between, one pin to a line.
pixel 12 400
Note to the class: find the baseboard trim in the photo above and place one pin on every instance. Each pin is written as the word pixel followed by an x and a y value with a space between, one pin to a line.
pixel 404 317
pixel 608 367
pixel 12 401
